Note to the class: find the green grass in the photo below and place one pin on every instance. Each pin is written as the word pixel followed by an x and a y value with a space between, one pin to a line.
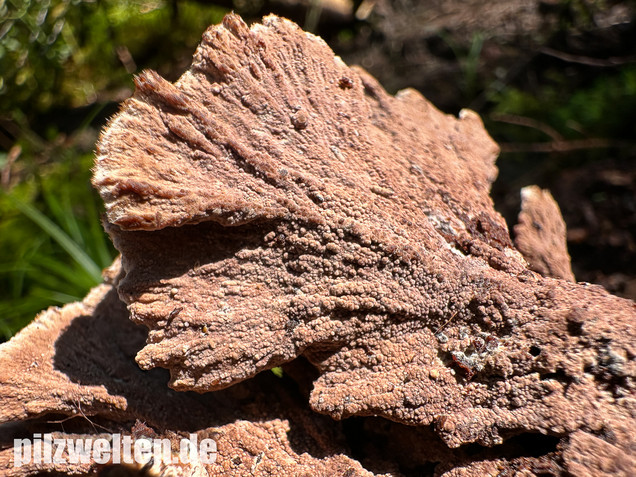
pixel 52 245
pixel 69 53
pixel 61 61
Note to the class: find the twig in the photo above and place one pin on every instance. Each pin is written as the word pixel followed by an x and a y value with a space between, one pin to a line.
pixel 529 123
pixel 5 174
pixel 447 322
pixel 561 146
pixel 586 60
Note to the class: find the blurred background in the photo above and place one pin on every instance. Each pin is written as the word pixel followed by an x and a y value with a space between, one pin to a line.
pixel 554 81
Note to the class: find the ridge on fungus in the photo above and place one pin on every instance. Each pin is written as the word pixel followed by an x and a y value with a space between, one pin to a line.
pixel 274 203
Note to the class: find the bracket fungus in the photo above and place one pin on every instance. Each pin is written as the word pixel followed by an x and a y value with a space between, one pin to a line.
pixel 71 374
pixel 540 234
pixel 274 203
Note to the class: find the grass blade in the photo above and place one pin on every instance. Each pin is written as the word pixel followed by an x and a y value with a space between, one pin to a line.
pixel 57 234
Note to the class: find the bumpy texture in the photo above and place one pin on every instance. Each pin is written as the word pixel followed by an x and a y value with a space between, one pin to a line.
pixel 540 234
pixel 72 373
pixel 274 203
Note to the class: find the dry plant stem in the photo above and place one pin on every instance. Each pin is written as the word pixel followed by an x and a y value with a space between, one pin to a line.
pixel 274 203
pixel 529 123
pixel 563 146
pixel 586 60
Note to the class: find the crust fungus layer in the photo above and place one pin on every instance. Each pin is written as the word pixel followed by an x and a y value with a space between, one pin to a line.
pixel 274 202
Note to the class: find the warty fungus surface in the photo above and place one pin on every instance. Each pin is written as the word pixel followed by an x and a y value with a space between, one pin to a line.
pixel 71 373
pixel 276 207
pixel 274 202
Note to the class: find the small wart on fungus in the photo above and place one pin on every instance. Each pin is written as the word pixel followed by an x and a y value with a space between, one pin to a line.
pixel 300 120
